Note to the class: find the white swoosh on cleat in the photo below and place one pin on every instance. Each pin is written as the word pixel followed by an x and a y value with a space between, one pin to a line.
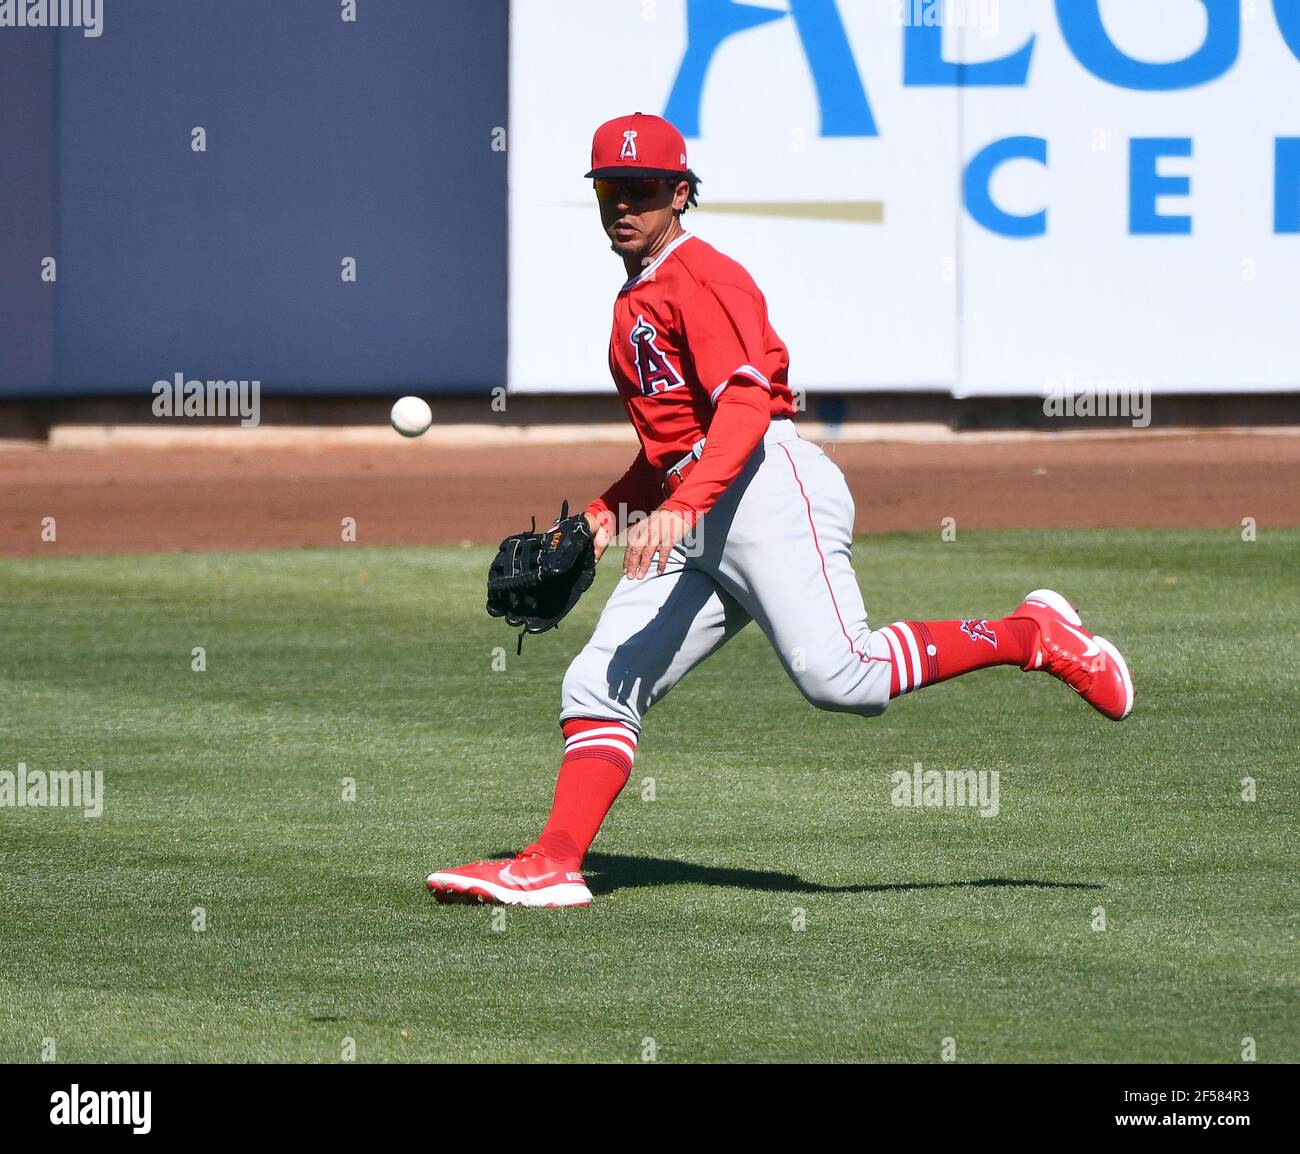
pixel 523 883
pixel 1093 648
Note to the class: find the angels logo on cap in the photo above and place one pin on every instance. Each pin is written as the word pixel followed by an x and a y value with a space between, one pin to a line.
pixel 639 146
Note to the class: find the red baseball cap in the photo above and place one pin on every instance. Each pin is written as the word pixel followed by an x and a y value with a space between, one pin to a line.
pixel 638 147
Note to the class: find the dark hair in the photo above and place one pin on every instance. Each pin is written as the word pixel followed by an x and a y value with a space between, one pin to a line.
pixel 691 197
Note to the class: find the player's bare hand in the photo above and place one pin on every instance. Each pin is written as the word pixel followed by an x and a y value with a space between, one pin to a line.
pixel 600 535
pixel 657 534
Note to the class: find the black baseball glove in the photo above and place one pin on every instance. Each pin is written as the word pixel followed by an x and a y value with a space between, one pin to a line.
pixel 536 578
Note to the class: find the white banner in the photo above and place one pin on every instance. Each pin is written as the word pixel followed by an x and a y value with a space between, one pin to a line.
pixel 975 196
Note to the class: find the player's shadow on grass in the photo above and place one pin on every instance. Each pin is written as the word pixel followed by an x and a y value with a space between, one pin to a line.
pixel 608 872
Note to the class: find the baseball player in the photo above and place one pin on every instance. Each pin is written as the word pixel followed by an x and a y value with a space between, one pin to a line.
pixel 733 518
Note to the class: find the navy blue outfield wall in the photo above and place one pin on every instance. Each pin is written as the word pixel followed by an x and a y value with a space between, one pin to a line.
pixel 27 211
pixel 325 140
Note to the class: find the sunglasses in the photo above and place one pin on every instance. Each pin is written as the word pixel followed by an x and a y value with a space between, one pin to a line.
pixel 630 190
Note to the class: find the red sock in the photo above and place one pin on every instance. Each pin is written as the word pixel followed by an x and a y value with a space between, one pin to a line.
pixel 925 652
pixel 597 763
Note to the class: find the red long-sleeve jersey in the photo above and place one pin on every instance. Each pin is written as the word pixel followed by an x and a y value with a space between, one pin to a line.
pixel 693 356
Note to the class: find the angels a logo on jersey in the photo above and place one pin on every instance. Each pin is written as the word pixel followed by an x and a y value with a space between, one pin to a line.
pixel 980 631
pixel 652 367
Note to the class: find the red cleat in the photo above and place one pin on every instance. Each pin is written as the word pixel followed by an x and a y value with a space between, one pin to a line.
pixel 525 880
pixel 1090 665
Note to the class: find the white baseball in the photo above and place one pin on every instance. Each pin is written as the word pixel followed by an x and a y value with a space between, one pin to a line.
pixel 411 416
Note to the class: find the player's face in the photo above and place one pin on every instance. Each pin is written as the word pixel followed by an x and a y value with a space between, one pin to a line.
pixel 636 213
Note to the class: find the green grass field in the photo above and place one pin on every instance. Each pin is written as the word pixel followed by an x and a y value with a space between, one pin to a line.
pixel 224 790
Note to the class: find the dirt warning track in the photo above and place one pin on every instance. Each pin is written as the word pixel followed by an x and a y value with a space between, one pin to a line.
pixel 130 499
